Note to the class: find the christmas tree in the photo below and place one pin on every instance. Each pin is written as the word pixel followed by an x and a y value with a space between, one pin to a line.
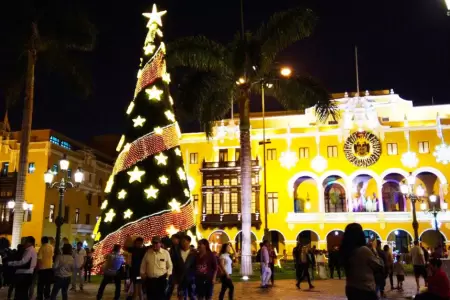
pixel 147 192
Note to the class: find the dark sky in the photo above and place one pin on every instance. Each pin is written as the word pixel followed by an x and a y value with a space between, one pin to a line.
pixel 403 44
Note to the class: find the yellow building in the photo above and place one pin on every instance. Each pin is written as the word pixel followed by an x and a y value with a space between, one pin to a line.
pixel 81 204
pixel 349 170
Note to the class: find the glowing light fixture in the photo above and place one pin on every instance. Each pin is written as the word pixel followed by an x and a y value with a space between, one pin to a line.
pixel 420 191
pixel 79 176
pixel 319 163
pixel 433 198
pixel 423 206
pixel 48 176
pixel 409 159
pixel 11 204
pixel 64 163
pixel 285 71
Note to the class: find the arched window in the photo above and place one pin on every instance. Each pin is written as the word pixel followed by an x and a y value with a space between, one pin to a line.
pixel 335 198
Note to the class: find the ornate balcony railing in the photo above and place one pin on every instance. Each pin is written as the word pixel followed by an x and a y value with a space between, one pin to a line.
pixel 228 220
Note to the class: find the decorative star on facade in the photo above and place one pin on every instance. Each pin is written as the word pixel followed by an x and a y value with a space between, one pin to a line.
pixel 139 121
pixel 154 93
pixel 175 205
pixel 104 204
pixel 110 215
pixel 171 230
pixel 178 151
pixel 149 49
pixel 122 194
pixel 166 77
pixel 161 159
pixel 163 180
pixel 181 173
pixel 135 175
pixel 158 130
pixel 154 16
pixel 151 192
pixel 127 214
pixel 170 116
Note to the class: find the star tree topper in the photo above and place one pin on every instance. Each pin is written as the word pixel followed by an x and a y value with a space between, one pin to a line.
pixel 154 16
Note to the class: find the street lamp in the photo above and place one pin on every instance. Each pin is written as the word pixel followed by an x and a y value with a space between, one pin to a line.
pixel 62 186
pixel 407 189
pixel 434 210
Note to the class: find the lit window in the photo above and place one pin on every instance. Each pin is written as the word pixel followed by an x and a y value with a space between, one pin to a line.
pixel 209 182
pixel 216 182
pixel 209 209
pixel 54 140
pixel 226 203
pixel 271 154
pixel 223 154
pixel 216 200
pixel 234 202
pixel 193 158
pixel 195 198
pixel 234 181
pixel 424 147
pixel 303 153
pixel 272 202
pixel 226 182
pixel 77 216
pixel 31 168
pixel 253 202
pixel 51 213
pixel 237 154
pixel 392 149
pixel 65 144
pixel 55 168
pixel 332 151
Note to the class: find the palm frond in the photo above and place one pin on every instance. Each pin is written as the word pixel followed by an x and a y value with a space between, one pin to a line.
pixel 299 93
pixel 205 96
pixel 198 53
pixel 281 31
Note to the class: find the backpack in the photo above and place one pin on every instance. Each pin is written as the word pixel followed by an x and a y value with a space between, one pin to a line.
pixel 258 256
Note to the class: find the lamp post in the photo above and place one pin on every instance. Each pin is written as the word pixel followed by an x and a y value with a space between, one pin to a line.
pixel 285 72
pixel 434 210
pixel 407 189
pixel 62 186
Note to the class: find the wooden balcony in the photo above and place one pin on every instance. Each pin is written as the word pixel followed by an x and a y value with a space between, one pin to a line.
pixel 228 221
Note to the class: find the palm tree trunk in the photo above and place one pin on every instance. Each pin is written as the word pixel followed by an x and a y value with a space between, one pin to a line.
pixel 246 184
pixel 24 142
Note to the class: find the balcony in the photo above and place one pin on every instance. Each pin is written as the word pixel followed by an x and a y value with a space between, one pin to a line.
pixel 229 220
pixel 227 165
pixel 362 217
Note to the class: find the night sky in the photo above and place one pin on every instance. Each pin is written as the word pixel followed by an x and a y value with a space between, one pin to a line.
pixel 403 44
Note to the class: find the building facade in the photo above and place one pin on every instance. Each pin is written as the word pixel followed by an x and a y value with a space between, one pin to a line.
pixel 322 176
pixel 81 204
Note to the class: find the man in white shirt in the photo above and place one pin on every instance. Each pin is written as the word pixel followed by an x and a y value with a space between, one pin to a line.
pixel 156 267
pixel 24 269
pixel 265 269
pixel 418 261
pixel 79 256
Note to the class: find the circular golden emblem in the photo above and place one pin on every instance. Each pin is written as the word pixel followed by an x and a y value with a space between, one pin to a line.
pixel 362 149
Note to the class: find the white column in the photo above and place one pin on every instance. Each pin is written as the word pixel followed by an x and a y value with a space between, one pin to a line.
pixel 380 197
pixel 348 195
pixel 321 198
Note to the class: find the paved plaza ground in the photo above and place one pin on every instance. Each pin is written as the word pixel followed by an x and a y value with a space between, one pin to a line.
pixel 331 289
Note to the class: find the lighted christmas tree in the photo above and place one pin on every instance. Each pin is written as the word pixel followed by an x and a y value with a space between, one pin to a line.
pixel 147 193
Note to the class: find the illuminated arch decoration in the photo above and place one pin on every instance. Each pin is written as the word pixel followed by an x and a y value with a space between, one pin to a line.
pixel 362 149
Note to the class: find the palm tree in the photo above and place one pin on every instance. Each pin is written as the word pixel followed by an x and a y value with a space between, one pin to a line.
pixel 53 31
pixel 215 73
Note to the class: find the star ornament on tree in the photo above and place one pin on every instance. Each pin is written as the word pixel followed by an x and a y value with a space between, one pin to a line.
pixel 170 116
pixel 181 174
pixel 122 194
pixel 158 130
pixel 161 159
pixel 154 16
pixel 149 49
pixel 186 193
pixel 151 192
pixel 171 230
pixel 163 180
pixel 127 214
pixel 139 121
pixel 154 93
pixel 166 77
pixel 104 204
pixel 177 151
pixel 110 215
pixel 135 175
pixel 175 205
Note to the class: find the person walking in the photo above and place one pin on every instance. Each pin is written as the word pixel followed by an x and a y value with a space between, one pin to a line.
pixel 205 271
pixel 174 252
pixel 88 264
pixel 156 267
pixel 45 269
pixel 137 252
pixel 312 261
pixel 399 272
pixel 25 269
pixel 272 259
pixel 380 277
pixel 265 269
pixel 112 266
pixel 334 262
pixel 304 262
pixel 360 264
pixel 78 257
pixel 63 269
pixel 419 264
pixel 226 268
pixel 389 265
pixel 184 269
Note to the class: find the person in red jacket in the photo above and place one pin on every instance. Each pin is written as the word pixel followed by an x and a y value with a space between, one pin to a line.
pixel 438 283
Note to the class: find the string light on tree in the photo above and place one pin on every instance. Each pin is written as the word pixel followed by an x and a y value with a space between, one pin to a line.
pixel 135 175
pixel 161 159
pixel 127 214
pixel 154 93
pixel 172 230
pixel 109 184
pixel 120 144
pixel 149 49
pixel 130 107
pixel 122 194
pixel 171 100
pixel 158 130
pixel 109 216
pixel 186 193
pixel 104 204
pixel 138 121
pixel 151 192
pixel 163 180
pixel 154 17
pixel 181 173
pixel 170 116
pixel 175 205
pixel 166 78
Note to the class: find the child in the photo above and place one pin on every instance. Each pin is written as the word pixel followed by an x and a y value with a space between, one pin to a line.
pixel 400 273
